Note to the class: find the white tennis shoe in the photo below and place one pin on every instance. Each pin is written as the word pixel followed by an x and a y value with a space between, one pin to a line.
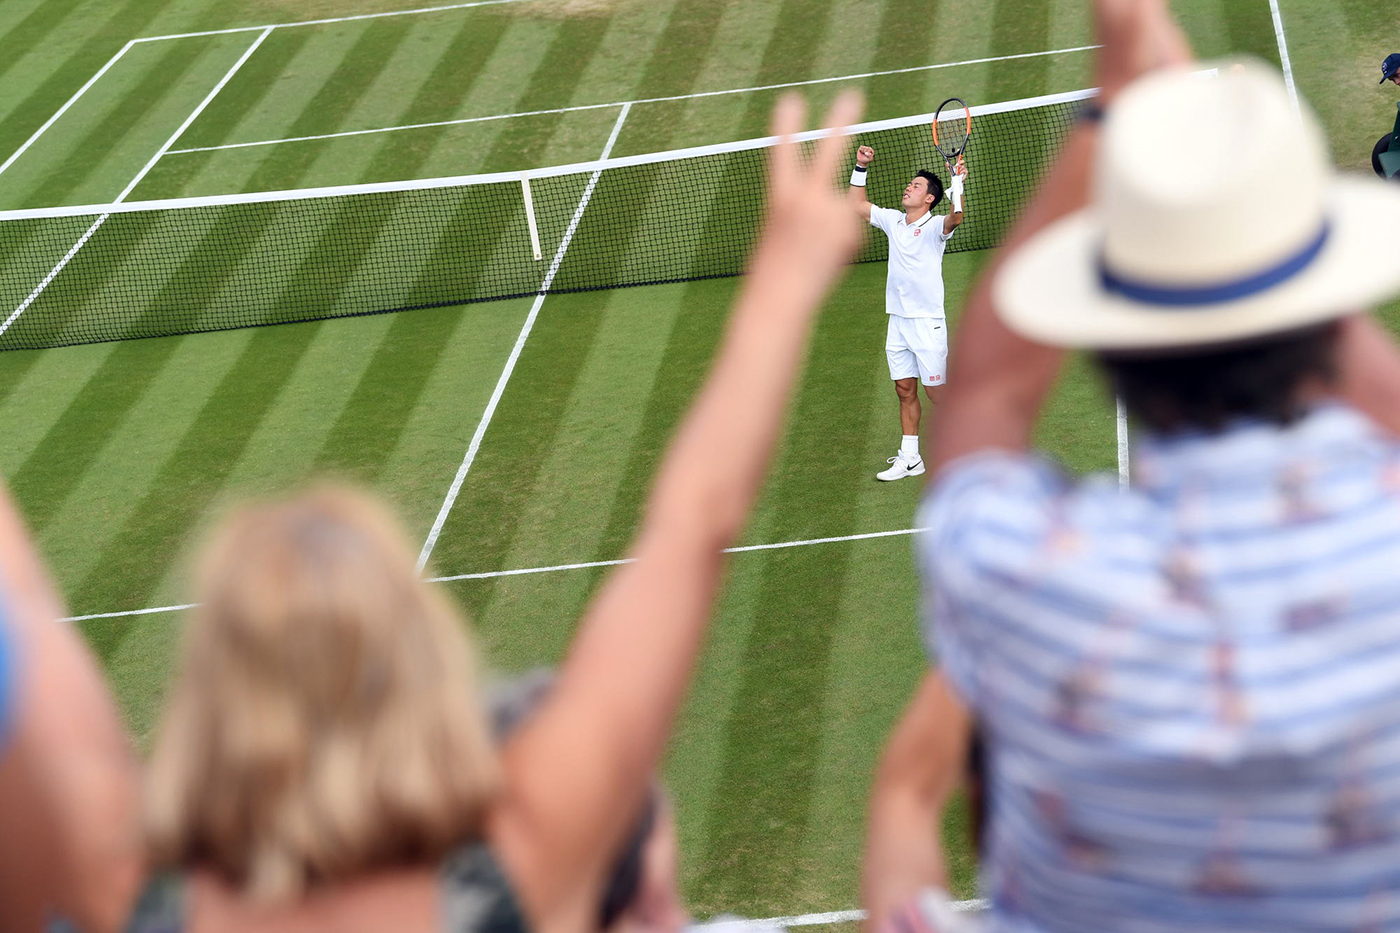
pixel 901 468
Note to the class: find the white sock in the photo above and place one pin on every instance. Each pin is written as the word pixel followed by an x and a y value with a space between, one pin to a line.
pixel 909 447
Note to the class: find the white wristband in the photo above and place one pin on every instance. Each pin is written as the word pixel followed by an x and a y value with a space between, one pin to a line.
pixel 955 192
pixel 858 177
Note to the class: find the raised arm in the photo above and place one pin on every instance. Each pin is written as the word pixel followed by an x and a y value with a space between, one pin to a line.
pixel 1003 379
pixel 864 156
pixel 577 773
pixel 69 784
pixel 923 764
pixel 958 198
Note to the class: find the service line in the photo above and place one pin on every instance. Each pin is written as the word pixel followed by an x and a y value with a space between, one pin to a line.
pixel 556 568
pixel 323 22
pixel 645 100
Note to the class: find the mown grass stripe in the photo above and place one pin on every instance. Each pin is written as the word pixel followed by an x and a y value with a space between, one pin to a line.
pixel 442 90
pixel 332 103
pixel 1020 26
pixel 154 533
pixel 689 351
pixel 1371 19
pixel 16 365
pixel 90 421
pixel 791 50
pixel 760 811
pixel 372 422
pixel 905 36
pixel 31 32
pixel 1250 27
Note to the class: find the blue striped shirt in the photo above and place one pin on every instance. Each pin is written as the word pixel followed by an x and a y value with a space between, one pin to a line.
pixel 1190 691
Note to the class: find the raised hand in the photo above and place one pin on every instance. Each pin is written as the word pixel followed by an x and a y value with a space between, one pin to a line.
pixel 864 156
pixel 810 231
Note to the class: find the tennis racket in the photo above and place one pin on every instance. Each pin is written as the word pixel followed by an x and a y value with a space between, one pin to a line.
pixel 952 129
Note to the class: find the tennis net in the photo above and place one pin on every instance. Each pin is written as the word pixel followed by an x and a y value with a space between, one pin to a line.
pixel 157 268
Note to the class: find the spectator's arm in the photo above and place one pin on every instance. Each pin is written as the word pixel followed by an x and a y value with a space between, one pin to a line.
pixel 923 764
pixel 578 770
pixel 68 780
pixel 1002 379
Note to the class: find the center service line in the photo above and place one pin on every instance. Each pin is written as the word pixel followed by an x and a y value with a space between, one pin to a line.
pixel 486 416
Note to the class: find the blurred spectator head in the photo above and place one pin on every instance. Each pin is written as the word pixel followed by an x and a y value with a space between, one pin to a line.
pixel 325 720
pixel 1219 252
pixel 1206 389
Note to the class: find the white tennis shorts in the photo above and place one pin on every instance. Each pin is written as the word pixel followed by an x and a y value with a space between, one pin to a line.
pixel 917 346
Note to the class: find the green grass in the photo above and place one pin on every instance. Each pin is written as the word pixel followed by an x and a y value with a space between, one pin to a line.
pixel 120 453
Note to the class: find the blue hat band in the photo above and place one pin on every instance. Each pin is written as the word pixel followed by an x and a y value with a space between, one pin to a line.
pixel 1237 290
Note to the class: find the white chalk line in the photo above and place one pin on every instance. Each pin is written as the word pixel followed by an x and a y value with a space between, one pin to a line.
pixel 1124 443
pixel 145 170
pixel 490 411
pixel 586 565
pixel 834 916
pixel 556 568
pixel 324 22
pixel 1284 60
pixel 645 100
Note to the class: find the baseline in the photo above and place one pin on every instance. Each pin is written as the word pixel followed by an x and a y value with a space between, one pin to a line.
pixel 475 445
pixel 554 569
pixel 323 22
pixel 145 170
pixel 645 100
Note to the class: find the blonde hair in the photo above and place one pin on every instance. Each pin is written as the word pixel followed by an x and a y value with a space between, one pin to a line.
pixel 326 720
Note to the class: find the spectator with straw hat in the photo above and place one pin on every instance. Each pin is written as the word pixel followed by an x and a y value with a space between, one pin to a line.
pixel 1189 690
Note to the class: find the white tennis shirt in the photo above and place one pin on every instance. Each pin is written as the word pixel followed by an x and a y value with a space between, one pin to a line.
pixel 914 284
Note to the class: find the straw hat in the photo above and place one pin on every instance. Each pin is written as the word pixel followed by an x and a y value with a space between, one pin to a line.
pixel 1216 217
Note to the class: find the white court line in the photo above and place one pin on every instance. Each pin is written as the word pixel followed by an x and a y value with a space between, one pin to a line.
pixel 323 22
pixel 1283 53
pixel 64 109
pixel 53 273
pixel 555 568
pixel 1124 444
pixel 644 100
pixel 486 416
pixel 809 920
pixel 131 612
pixel 628 560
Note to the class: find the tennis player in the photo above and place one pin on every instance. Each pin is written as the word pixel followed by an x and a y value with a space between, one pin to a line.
pixel 916 339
